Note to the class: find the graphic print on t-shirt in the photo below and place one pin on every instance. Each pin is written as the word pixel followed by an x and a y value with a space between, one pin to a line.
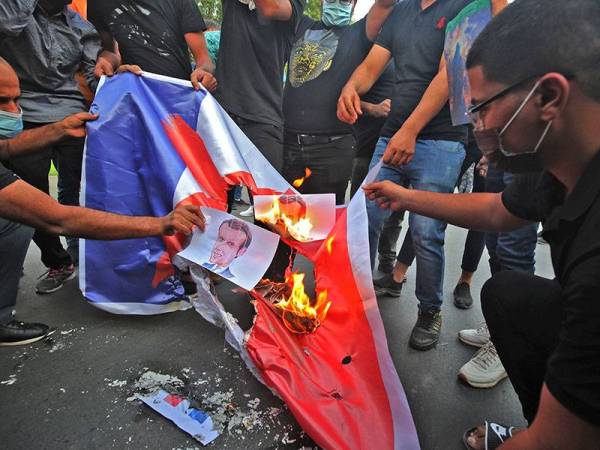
pixel 312 55
pixel 133 32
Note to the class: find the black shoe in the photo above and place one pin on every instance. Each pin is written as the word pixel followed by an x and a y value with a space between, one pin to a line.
pixel 426 332
pixel 20 333
pixel 387 286
pixel 462 296
pixel 386 266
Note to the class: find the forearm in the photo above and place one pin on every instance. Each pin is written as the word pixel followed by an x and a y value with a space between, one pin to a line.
pixel 91 224
pixel 432 102
pixel 367 108
pixel 197 45
pixel 376 17
pixel 30 141
pixel 480 211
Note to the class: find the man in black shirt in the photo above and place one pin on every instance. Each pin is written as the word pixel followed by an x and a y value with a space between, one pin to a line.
pixel 21 203
pixel 537 104
pixel 255 44
pixel 157 36
pixel 418 143
pixel 323 56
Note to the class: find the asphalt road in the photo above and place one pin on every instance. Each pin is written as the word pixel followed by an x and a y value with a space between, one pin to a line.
pixel 74 391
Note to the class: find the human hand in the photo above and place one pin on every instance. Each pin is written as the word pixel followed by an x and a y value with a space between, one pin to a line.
pixel 348 105
pixel 482 166
pixel 207 79
pixel 130 68
pixel 103 67
pixel 74 125
pixel 386 194
pixel 182 220
pixel 401 148
pixel 381 110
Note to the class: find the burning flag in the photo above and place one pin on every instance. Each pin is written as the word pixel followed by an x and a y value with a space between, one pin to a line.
pixel 158 143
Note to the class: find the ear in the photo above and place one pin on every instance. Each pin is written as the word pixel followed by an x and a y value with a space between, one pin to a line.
pixel 555 92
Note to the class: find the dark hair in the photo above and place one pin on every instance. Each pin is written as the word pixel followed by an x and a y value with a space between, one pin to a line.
pixel 242 226
pixel 289 199
pixel 534 37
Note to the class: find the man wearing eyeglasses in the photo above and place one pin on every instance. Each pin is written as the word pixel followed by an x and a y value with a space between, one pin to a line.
pixel 536 91
pixel 418 143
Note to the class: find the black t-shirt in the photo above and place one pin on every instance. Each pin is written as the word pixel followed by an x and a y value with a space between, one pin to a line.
pixel 321 62
pixel 6 177
pixel 252 55
pixel 150 33
pixel 571 227
pixel 367 128
pixel 416 38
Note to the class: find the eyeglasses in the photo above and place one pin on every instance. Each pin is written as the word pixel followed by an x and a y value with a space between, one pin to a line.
pixel 474 110
pixel 343 2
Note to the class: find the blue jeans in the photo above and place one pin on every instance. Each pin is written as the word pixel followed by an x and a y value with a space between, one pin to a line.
pixel 514 250
pixel 435 168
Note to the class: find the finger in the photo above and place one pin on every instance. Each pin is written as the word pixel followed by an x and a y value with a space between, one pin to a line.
pixel 342 111
pixel 356 104
pixel 193 214
pixel 397 158
pixel 183 225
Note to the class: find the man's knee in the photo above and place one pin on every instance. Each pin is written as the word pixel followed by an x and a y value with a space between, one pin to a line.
pixel 495 292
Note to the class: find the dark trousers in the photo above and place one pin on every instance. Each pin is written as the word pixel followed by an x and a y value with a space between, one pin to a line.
pixel 330 164
pixel 331 167
pixel 269 141
pixel 474 244
pixel 14 242
pixel 33 168
pixel 523 314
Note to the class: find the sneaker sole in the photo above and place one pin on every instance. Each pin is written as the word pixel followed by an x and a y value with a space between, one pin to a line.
pixel 471 343
pixel 476 385
pixel 70 277
pixel 27 341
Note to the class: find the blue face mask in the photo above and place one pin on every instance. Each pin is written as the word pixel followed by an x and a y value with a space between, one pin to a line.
pixel 11 124
pixel 336 14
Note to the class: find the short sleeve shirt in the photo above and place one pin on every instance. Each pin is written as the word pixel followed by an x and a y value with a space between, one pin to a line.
pixel 6 177
pixel 322 60
pixel 415 38
pixel 252 54
pixel 571 227
pixel 150 33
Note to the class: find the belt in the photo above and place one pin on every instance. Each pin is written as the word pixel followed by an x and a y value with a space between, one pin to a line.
pixel 314 139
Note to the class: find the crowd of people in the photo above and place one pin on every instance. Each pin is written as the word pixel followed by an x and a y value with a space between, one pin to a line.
pixel 338 97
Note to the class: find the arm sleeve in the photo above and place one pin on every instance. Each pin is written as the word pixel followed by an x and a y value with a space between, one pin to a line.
pixel 92 46
pixel 15 16
pixel 573 373
pixel 385 38
pixel 6 177
pixel 520 198
pixel 191 18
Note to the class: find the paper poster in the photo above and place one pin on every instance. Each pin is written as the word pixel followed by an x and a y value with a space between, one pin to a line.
pixel 460 35
pixel 232 248
pixel 306 218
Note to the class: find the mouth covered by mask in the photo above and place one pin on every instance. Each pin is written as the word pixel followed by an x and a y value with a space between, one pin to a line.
pixel 336 14
pixel 489 141
pixel 11 124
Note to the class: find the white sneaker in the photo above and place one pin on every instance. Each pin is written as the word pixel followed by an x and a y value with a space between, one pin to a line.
pixel 477 337
pixel 484 369
pixel 248 212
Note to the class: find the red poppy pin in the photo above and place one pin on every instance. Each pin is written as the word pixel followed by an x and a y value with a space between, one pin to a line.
pixel 441 23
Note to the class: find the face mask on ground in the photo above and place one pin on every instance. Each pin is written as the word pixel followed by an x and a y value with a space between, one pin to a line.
pixel 11 124
pixel 336 14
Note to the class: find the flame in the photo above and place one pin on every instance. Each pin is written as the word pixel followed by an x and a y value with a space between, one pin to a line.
pixel 329 244
pixel 303 316
pixel 300 181
pixel 299 229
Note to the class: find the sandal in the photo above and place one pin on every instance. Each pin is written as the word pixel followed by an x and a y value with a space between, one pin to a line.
pixel 495 434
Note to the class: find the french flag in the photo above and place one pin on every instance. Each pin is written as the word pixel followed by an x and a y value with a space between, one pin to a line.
pixel 158 143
